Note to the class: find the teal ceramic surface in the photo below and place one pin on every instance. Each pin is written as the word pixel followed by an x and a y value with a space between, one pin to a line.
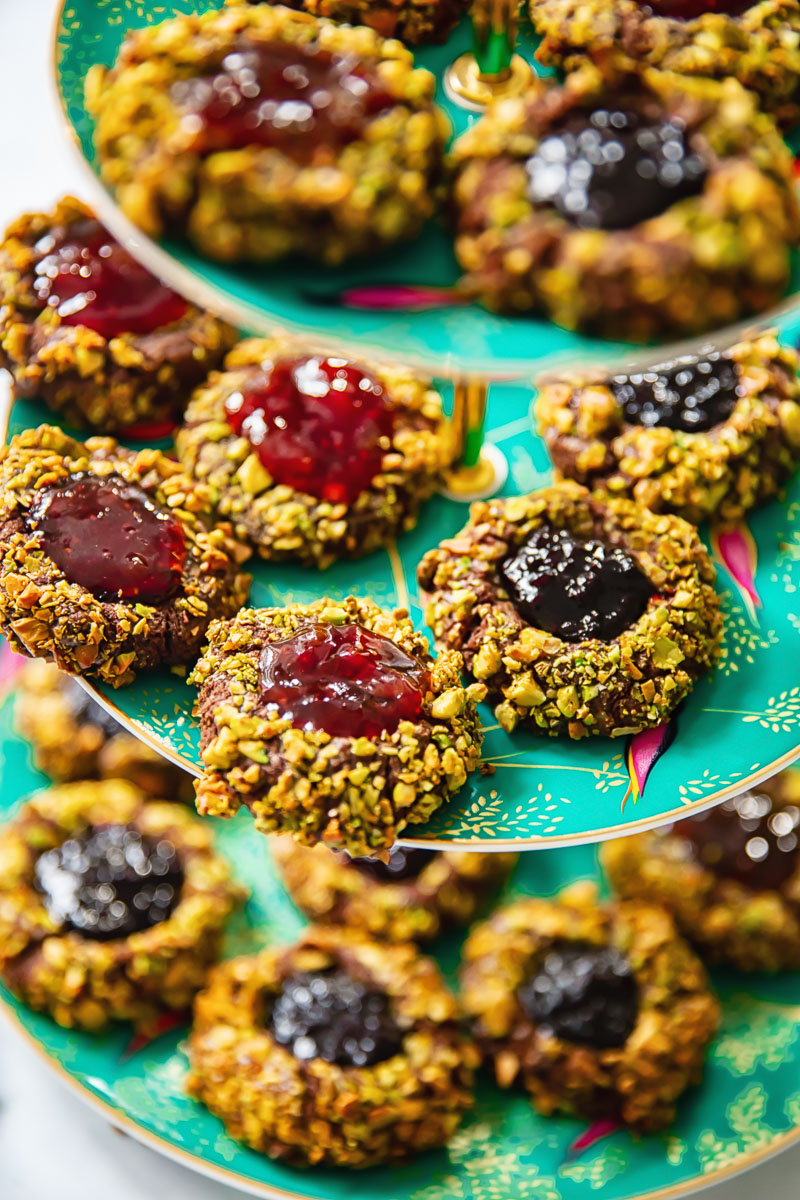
pixel 452 341
pixel 747 1107
pixel 736 727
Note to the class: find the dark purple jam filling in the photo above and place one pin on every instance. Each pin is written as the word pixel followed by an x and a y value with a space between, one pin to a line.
pixel 613 168
pixel 343 679
pixel 575 588
pixel 693 393
pixel 583 993
pixel 330 1015
pixel 402 864
pixel 86 711
pixel 746 839
pixel 300 100
pixel 685 10
pixel 111 538
pixel 109 882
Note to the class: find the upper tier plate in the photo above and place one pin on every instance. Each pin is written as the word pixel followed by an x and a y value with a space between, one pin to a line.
pixel 747 1108
pixel 735 729
pixel 453 341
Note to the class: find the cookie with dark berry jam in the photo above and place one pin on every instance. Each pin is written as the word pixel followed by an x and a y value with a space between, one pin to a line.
pixel 112 906
pixel 412 896
pixel 265 132
pixel 90 331
pixel 306 711
pixel 710 434
pixel 568 586
pixel 331 1015
pixel 73 738
pixel 730 876
pixel 315 458
pixel 612 205
pixel 601 1011
pixel 752 41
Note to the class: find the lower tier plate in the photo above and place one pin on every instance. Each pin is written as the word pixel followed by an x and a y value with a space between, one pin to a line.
pixel 747 1108
pixel 738 727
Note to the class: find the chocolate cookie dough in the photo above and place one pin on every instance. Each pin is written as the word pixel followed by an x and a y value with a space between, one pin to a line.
pixel 599 1011
pixel 111 907
pixel 336 1051
pixel 109 562
pixel 93 333
pixel 332 722
pixel 314 458
pixel 582 613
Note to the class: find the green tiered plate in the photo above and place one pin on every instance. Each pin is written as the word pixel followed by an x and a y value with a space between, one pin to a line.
pixel 736 728
pixel 747 1109
pixel 451 342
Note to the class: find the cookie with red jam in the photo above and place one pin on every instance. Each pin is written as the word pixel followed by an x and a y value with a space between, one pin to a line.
pixel 711 434
pixel 73 738
pixel 415 22
pixel 582 613
pixel 630 207
pixel 336 1051
pixel 109 559
pixel 112 907
pixel 314 458
pixel 332 722
pixel 600 1011
pixel 90 331
pixel 411 897
pixel 729 876
pixel 186 135
pixel 755 41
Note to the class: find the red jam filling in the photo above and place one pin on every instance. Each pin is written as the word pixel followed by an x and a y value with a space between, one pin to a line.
pixel 685 10
pixel 109 537
pixel 297 99
pixel 89 279
pixel 342 679
pixel 746 839
pixel 320 426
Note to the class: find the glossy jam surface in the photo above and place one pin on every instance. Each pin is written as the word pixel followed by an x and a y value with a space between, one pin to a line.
pixel 87 277
pixel 746 839
pixel 343 679
pixel 692 393
pixel 685 10
pixel 612 168
pixel 583 993
pixel 297 99
pixel 108 536
pixel 320 426
pixel 110 882
pixel 575 588
pixel 332 1016
pixel 403 864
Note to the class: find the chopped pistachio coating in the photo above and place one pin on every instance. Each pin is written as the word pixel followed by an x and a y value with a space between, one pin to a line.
pixel 705 261
pixel 356 794
pixel 281 523
pixel 98 383
pixel 448 891
pixel 72 742
pixel 588 687
pixel 415 22
pixel 259 203
pixel 638 1082
pixel 311 1111
pixel 45 615
pixel 724 472
pixel 84 983
pixel 729 922
pixel 760 46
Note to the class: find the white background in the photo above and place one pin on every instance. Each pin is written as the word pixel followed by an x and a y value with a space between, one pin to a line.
pixel 52 1147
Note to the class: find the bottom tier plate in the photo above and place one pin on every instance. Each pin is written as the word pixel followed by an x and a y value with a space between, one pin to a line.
pixel 747 1109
